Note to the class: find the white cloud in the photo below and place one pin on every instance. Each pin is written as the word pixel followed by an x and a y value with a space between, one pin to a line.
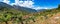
pixel 6 1
pixel 26 3
pixel 45 8
pixel 23 3
pixel 37 8
pixel 12 4
pixel 16 2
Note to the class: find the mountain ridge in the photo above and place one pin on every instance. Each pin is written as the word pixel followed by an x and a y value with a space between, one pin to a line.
pixel 29 10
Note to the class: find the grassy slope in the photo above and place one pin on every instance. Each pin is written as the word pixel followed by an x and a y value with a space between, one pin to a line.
pixel 47 17
pixel 7 13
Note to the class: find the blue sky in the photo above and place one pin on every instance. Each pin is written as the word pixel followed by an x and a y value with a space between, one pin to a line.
pixel 47 3
pixel 41 4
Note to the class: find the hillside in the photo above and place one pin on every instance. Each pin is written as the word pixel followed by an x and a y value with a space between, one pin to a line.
pixel 29 10
pixel 23 9
pixel 46 17
pixel 10 15
pixel 13 16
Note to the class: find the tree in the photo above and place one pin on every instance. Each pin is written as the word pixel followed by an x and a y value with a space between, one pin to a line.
pixel 59 6
pixel 30 18
pixel 21 20
pixel 6 17
pixel 33 18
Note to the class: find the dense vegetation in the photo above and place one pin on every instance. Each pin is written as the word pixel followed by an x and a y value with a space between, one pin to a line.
pixel 10 14
pixel 14 16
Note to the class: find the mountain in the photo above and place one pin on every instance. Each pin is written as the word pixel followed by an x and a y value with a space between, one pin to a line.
pixel 24 9
pixel 50 16
pixel 5 5
pixel 41 10
pixel 18 15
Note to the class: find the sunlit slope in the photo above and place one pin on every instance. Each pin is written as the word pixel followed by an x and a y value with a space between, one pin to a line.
pixel 47 17
pixel 10 14
pixel 14 16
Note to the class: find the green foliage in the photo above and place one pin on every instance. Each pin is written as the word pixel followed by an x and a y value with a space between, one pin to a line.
pixel 7 14
pixel 59 6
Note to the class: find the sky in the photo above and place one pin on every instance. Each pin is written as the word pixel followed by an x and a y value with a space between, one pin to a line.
pixel 34 4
